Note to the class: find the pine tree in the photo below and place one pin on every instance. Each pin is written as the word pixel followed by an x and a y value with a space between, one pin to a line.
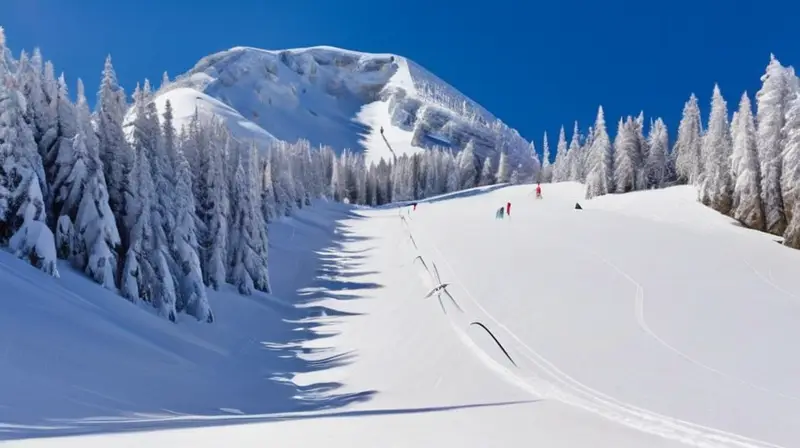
pixel 267 191
pixel 165 82
pixel 66 189
pixel 40 113
pixel 211 204
pixel 115 154
pixel 152 187
pixel 139 278
pixel 658 153
pixel 503 170
pixel 560 166
pixel 717 187
pixel 574 168
pixel 600 176
pixel 642 152
pixel 192 292
pixel 22 208
pixel 248 238
pixel 487 173
pixel 790 181
pixel 547 168
pixel 468 172
pixel 772 101
pixel 747 205
pixel 688 161
pixel 626 157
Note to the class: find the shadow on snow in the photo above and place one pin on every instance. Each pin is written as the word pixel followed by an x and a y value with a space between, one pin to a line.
pixel 139 372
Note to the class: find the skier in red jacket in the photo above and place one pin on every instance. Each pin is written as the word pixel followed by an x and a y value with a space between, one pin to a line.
pixel 538 191
pixel 508 209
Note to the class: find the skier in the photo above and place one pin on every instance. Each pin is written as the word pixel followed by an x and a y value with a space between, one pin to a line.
pixel 415 206
pixel 381 130
pixel 499 213
pixel 538 191
pixel 508 209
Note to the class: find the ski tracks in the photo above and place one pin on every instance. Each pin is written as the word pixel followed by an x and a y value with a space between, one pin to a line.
pixel 642 322
pixel 556 384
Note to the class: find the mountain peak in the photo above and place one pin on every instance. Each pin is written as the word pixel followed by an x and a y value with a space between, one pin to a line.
pixel 380 103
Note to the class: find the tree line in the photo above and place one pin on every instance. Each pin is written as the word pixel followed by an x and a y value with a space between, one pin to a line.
pixel 746 167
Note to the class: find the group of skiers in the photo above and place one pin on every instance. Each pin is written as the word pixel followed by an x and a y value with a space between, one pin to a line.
pixel 506 211
pixel 502 211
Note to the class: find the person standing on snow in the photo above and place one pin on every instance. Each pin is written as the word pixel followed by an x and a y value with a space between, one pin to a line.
pixel 538 191
pixel 508 209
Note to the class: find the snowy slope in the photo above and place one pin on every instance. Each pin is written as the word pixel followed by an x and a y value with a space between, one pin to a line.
pixel 332 96
pixel 644 320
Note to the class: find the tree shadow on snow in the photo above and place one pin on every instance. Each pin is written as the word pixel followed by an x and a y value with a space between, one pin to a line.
pixel 243 368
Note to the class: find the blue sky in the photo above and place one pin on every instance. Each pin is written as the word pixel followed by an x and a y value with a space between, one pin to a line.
pixel 536 65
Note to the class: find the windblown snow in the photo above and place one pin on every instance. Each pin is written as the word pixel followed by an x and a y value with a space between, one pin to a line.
pixel 642 320
pixel 336 97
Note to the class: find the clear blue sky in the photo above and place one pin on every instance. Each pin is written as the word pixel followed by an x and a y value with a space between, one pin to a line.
pixel 536 65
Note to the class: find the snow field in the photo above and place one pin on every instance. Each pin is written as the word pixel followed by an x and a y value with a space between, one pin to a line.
pixel 639 321
pixel 631 307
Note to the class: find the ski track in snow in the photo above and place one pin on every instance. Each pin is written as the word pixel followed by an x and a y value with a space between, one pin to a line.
pixel 573 392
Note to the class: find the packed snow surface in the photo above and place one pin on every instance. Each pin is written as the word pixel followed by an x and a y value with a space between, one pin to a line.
pixel 643 320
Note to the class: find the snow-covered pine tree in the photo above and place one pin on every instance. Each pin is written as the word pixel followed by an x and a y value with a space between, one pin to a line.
pixel 532 173
pixel 716 190
pixel 642 153
pixel 585 150
pixel 772 102
pixel 284 182
pixel 40 114
pixel 268 204
pixel 115 153
pixel 66 188
pixel 560 171
pixel 746 171
pixel 547 167
pixel 165 82
pixel 211 204
pixel 626 157
pixel 192 292
pixel 688 161
pixel 467 169
pixel 600 176
pixel 248 237
pixel 151 186
pixel 658 153
pixel 337 182
pixel 50 137
pixel 574 169
pixel 790 181
pixel 503 169
pixel 22 208
pixel 139 277
pixel 79 192
pixel 487 173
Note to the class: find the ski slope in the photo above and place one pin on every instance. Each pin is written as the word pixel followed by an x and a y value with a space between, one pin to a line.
pixel 643 320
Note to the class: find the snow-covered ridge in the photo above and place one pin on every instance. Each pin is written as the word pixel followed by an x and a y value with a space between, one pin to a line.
pixel 337 97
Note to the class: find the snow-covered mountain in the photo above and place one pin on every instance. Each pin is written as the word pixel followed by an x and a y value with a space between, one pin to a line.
pixel 339 98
